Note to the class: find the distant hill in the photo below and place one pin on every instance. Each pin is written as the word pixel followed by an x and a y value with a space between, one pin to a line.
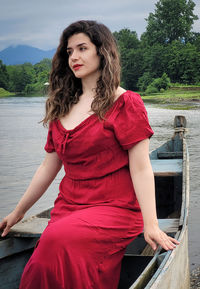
pixel 23 53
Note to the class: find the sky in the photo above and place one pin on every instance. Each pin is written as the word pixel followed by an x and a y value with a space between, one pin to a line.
pixel 39 23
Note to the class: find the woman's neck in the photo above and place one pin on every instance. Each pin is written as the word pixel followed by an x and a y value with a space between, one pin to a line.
pixel 89 85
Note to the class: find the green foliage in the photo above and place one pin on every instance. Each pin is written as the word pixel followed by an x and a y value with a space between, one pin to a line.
pixel 127 39
pixel 172 20
pixel 167 50
pixel 131 57
pixel 168 46
pixel 151 89
pixel 195 40
pixel 3 76
pixel 183 63
pixel 158 84
pixel 28 78
pixel 131 68
pixel 4 93
pixel 20 76
pixel 154 60
pixel 144 81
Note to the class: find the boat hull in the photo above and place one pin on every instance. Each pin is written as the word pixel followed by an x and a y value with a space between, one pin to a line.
pixel 141 268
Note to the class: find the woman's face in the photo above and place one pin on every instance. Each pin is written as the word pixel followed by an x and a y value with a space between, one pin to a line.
pixel 83 58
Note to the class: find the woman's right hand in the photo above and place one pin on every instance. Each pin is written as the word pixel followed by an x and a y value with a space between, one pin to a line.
pixel 10 221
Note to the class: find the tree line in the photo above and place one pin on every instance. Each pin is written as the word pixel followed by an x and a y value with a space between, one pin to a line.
pixel 167 52
pixel 25 78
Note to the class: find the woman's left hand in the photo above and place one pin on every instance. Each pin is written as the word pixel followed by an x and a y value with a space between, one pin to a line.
pixel 154 236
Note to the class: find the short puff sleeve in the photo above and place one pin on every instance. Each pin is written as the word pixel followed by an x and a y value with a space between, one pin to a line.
pixel 129 120
pixel 49 146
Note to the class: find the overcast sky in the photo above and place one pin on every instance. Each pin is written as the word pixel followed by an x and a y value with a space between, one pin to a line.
pixel 39 23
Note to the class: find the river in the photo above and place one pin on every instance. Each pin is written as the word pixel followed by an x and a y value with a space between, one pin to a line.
pixel 22 139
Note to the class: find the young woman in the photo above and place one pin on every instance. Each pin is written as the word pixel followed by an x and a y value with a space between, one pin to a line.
pixel 100 133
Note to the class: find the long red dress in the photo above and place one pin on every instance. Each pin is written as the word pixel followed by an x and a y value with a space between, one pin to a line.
pixel 96 214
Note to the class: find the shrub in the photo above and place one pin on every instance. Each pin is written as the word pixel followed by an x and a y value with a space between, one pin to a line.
pixel 151 89
pixel 144 81
pixel 159 84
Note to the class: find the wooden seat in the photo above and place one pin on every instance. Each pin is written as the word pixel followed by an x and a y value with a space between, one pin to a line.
pixel 170 155
pixel 166 225
pixel 167 167
pixel 169 225
pixel 32 227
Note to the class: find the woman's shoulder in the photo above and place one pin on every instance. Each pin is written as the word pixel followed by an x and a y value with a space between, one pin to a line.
pixel 119 91
pixel 128 96
pixel 127 103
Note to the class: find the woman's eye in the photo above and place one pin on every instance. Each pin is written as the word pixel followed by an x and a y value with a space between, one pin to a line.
pixel 69 52
pixel 82 48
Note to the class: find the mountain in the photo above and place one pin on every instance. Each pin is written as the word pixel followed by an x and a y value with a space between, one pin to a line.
pixel 23 53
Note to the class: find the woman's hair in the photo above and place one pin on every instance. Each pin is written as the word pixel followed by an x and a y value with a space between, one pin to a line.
pixel 65 89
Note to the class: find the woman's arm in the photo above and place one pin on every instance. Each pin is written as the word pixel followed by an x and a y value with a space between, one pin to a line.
pixel 143 181
pixel 43 177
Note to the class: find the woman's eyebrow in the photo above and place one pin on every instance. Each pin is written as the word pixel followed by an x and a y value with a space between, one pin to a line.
pixel 68 48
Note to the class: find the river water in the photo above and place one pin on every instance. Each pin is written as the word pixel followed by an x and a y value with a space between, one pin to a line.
pixel 22 139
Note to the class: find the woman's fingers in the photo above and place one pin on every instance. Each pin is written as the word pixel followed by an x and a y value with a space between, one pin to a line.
pixel 152 244
pixel 174 240
pixel 8 222
pixel 3 226
pixel 6 230
pixel 158 237
pixel 167 244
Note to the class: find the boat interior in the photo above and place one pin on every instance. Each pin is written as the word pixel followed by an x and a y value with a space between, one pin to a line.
pixel 140 262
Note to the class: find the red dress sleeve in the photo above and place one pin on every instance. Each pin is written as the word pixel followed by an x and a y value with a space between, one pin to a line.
pixel 49 146
pixel 129 120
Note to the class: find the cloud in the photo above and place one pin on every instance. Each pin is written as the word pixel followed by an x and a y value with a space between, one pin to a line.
pixel 40 22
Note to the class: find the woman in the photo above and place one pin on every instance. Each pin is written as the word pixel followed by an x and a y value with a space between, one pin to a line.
pixel 100 133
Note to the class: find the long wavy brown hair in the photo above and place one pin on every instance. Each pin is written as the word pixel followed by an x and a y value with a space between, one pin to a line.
pixel 65 89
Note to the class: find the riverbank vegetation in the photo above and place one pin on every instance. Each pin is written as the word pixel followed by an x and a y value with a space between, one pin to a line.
pixel 167 52
pixel 4 92
pixel 25 78
pixel 174 94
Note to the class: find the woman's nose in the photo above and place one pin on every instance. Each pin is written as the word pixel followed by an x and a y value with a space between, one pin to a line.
pixel 74 55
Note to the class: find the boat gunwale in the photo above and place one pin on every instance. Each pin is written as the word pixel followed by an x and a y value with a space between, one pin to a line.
pixel 169 257
pixel 183 220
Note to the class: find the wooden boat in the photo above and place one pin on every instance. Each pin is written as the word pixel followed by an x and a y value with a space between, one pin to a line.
pixel 141 267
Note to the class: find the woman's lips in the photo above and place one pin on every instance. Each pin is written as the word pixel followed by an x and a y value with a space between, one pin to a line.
pixel 77 66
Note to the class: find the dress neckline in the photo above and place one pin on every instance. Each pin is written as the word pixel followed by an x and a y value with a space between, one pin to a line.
pixel 82 123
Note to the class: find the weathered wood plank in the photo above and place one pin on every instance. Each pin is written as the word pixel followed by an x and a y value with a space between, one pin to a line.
pixel 11 246
pixel 169 225
pixel 32 227
pixel 11 269
pixel 167 167
pixel 170 155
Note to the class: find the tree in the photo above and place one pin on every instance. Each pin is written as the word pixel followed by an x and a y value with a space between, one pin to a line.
pixel 195 39
pixel 172 20
pixel 43 65
pixel 132 62
pixel 4 77
pixel 144 81
pixel 183 63
pixel 127 39
pixel 155 61
pixel 20 76
pixel 131 57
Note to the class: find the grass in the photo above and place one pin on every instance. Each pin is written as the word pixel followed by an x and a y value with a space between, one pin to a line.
pixel 4 93
pixel 178 106
pixel 174 95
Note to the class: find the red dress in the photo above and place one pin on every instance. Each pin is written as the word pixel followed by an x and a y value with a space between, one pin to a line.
pixel 96 214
